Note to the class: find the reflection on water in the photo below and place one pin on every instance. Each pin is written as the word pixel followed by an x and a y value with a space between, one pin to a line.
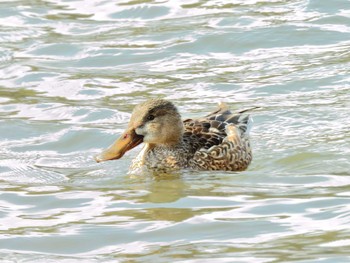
pixel 70 74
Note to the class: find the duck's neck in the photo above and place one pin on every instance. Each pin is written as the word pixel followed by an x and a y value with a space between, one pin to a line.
pixel 170 145
pixel 170 137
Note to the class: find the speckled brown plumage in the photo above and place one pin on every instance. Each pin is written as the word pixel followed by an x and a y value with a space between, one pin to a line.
pixel 218 141
pixel 215 142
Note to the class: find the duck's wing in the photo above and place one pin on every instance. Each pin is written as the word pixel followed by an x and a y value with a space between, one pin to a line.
pixel 238 119
pixel 222 141
pixel 211 129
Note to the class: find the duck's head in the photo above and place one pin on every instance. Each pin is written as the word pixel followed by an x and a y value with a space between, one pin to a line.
pixel 155 122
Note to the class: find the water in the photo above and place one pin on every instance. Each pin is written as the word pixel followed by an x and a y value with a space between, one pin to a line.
pixel 71 72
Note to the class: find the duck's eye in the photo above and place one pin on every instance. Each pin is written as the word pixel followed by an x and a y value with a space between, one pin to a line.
pixel 150 117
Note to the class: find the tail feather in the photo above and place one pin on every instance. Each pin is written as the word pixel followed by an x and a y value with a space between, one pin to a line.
pixel 225 116
pixel 249 109
pixel 234 118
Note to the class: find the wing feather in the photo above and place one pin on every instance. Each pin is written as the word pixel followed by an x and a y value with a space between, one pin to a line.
pixel 211 130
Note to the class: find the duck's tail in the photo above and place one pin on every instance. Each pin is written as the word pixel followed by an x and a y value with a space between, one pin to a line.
pixel 239 119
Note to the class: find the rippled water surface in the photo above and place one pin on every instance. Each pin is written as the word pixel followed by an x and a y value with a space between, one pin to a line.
pixel 70 74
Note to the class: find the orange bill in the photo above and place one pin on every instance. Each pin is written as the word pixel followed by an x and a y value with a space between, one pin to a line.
pixel 128 140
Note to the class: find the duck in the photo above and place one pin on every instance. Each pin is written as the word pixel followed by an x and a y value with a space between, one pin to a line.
pixel 217 141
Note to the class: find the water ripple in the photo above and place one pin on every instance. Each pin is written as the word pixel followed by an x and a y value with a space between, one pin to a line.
pixel 71 72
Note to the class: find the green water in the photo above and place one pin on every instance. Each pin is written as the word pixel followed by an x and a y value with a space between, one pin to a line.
pixel 70 74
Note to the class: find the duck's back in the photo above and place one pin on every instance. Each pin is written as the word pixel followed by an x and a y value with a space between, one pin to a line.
pixel 219 141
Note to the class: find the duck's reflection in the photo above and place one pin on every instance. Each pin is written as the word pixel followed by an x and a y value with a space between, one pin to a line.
pixel 159 199
pixel 161 188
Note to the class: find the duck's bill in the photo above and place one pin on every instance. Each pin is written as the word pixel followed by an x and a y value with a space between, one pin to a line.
pixel 128 140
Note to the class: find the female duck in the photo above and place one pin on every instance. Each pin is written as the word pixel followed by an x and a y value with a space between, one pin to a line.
pixel 218 141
